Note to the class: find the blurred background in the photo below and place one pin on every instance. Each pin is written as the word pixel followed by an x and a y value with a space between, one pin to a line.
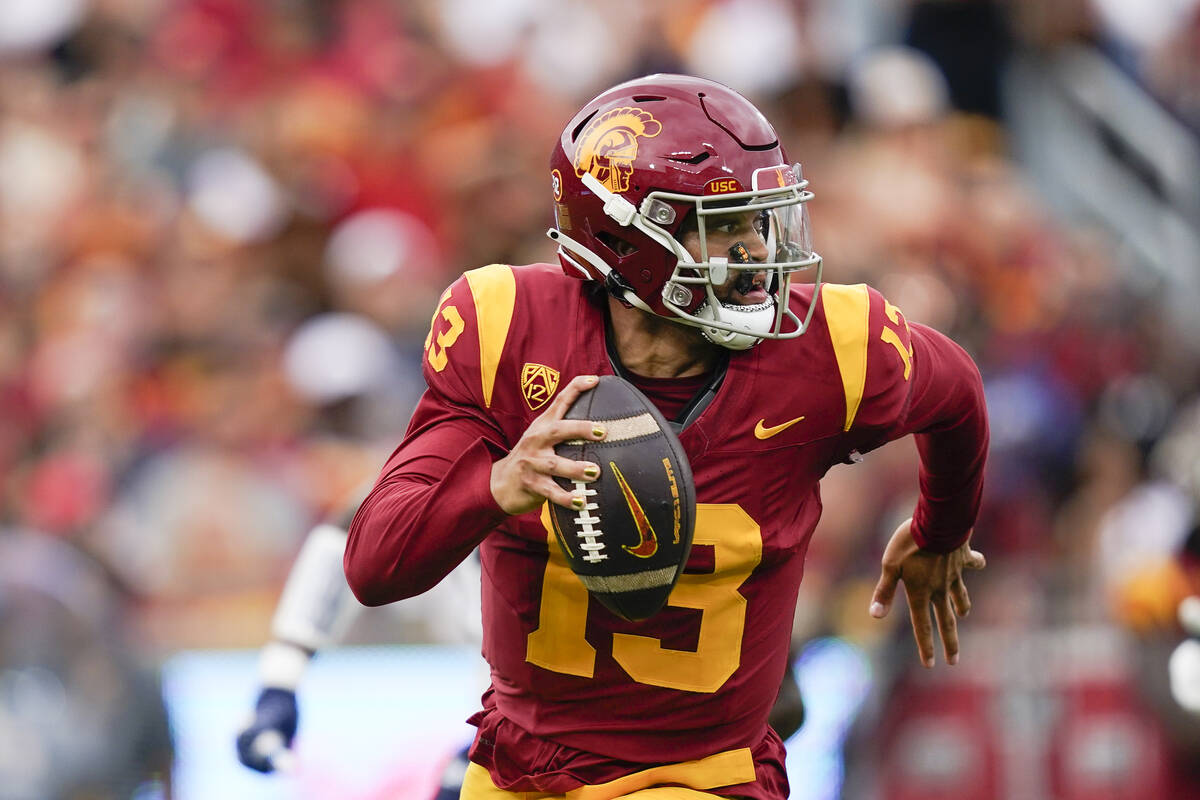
pixel 224 225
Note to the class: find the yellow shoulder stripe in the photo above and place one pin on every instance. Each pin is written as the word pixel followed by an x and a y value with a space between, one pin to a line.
pixel 494 290
pixel 847 313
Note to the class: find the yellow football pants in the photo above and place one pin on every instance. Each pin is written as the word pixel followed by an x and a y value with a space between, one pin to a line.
pixel 477 785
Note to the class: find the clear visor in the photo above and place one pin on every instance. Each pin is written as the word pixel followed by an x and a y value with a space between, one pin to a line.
pixel 788 234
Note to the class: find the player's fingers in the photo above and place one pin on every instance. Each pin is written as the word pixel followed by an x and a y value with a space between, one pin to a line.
pixel 544 486
pixel 573 499
pixel 567 468
pixel 563 430
pixel 885 591
pixel 947 627
pixel 922 623
pixel 959 596
pixel 973 559
pixel 569 394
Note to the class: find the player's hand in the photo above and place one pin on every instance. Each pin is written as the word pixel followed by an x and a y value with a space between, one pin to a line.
pixel 264 744
pixel 931 581
pixel 524 479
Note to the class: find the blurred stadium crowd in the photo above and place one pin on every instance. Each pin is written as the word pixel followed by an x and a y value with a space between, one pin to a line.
pixel 224 225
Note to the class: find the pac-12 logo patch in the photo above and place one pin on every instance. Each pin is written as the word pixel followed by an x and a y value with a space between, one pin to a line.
pixel 538 384
pixel 609 144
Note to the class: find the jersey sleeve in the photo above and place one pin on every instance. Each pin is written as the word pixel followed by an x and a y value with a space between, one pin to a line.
pixel 432 503
pixel 901 378
pixel 948 414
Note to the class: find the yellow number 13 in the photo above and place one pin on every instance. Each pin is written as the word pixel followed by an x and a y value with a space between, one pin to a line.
pixel 436 346
pixel 558 644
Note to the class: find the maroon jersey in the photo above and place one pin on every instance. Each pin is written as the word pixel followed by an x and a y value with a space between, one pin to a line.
pixel 603 695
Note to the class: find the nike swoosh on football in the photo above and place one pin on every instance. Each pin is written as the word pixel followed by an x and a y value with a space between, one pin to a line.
pixel 763 432
pixel 647 542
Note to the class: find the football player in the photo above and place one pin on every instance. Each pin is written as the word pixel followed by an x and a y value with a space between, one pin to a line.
pixel 685 265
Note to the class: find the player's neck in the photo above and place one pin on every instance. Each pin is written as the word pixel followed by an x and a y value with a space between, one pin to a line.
pixel 657 348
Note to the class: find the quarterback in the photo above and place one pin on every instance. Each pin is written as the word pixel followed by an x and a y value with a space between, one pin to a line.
pixel 685 265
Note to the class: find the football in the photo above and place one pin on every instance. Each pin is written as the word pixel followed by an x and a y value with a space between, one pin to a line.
pixel 631 540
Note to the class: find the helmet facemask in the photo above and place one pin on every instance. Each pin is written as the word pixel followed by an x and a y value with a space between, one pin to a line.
pixel 777 196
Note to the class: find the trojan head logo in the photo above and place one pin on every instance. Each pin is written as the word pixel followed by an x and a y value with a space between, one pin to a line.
pixel 609 145
pixel 538 384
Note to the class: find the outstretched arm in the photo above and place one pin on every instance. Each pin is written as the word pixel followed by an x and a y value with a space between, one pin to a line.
pixel 930 551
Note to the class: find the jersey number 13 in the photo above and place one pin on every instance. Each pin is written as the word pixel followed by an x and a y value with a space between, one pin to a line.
pixel 559 643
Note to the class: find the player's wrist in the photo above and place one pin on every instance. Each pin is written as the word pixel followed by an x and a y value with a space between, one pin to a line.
pixel 498 486
pixel 935 538
pixel 281 665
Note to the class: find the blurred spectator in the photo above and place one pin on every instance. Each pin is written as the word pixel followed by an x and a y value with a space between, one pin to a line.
pixel 970 42
pixel 80 715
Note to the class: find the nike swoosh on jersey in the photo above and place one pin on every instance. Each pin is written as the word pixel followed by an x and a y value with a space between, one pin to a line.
pixel 763 432
pixel 648 543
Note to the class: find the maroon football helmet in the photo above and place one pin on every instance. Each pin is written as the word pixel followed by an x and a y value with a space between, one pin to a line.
pixel 647 157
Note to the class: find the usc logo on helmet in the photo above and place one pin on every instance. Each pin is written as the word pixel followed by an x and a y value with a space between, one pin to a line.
pixel 723 186
pixel 609 145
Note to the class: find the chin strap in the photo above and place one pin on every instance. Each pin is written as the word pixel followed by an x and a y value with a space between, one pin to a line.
pixel 749 324
pixel 618 287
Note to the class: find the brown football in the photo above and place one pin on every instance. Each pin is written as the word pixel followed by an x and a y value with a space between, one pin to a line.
pixel 629 543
